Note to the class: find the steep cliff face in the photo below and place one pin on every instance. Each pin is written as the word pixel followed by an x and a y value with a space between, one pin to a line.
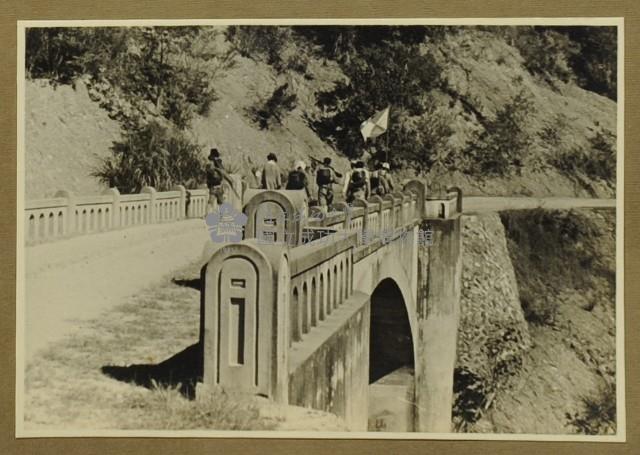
pixel 493 338
pixel 536 350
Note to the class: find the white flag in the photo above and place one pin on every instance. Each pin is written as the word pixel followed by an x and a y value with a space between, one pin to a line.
pixel 376 125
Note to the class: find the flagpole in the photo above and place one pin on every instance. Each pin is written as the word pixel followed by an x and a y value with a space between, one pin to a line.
pixel 388 133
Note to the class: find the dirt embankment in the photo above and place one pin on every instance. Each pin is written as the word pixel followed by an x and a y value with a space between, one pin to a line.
pixel 555 373
pixel 66 136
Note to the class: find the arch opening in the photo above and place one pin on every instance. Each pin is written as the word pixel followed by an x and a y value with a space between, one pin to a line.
pixel 391 361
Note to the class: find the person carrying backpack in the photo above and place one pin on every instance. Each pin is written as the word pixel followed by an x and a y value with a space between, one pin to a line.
pixel 358 185
pixel 325 178
pixel 215 174
pixel 297 178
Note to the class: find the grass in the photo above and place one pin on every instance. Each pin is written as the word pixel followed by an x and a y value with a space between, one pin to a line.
pixel 134 368
pixel 599 413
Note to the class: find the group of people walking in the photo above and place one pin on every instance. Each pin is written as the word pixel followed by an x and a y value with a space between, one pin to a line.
pixel 358 183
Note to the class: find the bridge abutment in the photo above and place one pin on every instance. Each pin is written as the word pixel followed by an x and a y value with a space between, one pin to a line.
pixel 438 308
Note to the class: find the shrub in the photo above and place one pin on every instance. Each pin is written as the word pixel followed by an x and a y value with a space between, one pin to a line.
pixel 379 74
pixel 469 398
pixel 273 109
pixel 504 144
pixel 599 413
pixel 547 249
pixel 551 134
pixel 52 53
pixel 586 55
pixel 262 43
pixel 597 162
pixel 546 52
pixel 152 155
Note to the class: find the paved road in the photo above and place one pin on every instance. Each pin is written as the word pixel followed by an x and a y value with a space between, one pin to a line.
pixel 475 204
pixel 73 280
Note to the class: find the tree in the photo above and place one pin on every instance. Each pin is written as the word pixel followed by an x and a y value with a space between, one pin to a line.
pixel 379 73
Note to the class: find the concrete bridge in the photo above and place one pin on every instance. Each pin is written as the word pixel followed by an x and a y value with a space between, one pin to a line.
pixel 353 312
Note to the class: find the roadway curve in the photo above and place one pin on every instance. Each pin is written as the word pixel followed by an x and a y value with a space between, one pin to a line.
pixel 476 204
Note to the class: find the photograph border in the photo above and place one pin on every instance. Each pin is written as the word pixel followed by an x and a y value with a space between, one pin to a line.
pixel 620 219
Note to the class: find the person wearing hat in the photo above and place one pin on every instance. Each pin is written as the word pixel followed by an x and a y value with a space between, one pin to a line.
pixel 215 174
pixel 357 185
pixel 297 179
pixel 326 176
pixel 381 183
pixel 271 176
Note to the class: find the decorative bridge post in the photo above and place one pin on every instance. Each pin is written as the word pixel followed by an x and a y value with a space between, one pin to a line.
pixel 245 314
pixel 244 319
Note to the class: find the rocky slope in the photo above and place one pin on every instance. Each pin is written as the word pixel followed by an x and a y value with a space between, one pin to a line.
pixel 494 337
pixel 536 351
pixel 67 133
pixel 483 72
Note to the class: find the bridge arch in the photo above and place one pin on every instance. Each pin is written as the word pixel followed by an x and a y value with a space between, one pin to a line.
pixel 391 342
pixel 392 357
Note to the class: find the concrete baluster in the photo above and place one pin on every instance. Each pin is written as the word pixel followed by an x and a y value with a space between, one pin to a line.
pixel 458 191
pixel 115 206
pixel 419 188
pixel 68 227
pixel 380 226
pixel 365 218
pixel 182 202
pixel 153 195
pixel 346 210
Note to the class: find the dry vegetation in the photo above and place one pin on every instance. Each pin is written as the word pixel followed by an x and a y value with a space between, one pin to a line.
pixel 135 368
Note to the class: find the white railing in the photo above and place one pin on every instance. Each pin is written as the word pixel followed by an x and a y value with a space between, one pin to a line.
pixel 67 215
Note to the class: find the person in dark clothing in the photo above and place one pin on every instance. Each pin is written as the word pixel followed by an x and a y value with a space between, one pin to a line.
pixel 215 175
pixel 381 182
pixel 297 179
pixel 326 176
pixel 357 186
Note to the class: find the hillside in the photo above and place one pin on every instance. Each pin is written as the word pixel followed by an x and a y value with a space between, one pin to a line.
pixel 482 73
pixel 68 134
pixel 536 351
pixel 484 111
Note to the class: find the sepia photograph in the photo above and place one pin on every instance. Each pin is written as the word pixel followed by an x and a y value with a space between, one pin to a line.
pixel 321 229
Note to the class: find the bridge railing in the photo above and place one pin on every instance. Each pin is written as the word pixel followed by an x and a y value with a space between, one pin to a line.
pixel 321 281
pixel 66 214
pixel 272 299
